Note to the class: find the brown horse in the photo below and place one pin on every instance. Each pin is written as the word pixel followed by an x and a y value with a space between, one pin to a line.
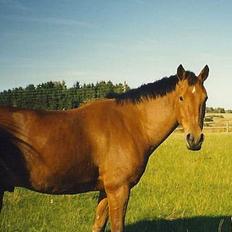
pixel 103 146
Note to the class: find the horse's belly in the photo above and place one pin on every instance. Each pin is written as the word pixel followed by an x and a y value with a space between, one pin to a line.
pixel 65 182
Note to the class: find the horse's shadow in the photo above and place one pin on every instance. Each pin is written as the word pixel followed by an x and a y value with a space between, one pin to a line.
pixel 196 224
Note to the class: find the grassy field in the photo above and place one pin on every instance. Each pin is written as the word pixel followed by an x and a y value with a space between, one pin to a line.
pixel 181 191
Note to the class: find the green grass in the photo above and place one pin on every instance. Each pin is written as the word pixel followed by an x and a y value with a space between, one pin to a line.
pixel 180 191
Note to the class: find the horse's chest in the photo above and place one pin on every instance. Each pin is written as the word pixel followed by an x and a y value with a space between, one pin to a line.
pixel 137 174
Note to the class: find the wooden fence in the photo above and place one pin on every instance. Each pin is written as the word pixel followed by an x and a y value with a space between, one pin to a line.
pixel 226 127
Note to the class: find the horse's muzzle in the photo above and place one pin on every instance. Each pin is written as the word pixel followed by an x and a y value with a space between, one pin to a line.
pixel 194 144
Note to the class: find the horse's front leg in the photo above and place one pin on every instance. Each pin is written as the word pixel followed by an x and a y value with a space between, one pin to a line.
pixel 117 200
pixel 102 213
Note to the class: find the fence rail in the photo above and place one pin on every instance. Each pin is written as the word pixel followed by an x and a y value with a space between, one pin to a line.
pixel 213 127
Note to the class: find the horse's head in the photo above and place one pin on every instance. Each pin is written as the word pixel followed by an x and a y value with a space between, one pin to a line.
pixel 191 99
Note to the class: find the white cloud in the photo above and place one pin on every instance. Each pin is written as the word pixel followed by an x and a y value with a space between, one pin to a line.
pixel 49 20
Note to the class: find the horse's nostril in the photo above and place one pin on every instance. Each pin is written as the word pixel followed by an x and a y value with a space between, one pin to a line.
pixel 201 138
pixel 190 138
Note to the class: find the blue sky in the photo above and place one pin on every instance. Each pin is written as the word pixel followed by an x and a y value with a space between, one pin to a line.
pixel 137 41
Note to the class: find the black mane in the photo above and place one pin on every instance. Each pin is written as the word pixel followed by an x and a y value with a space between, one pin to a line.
pixel 153 90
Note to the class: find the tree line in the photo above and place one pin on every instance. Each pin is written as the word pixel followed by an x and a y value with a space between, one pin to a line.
pixel 217 110
pixel 57 96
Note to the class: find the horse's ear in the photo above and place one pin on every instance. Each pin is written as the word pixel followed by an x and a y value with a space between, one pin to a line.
pixel 180 72
pixel 204 73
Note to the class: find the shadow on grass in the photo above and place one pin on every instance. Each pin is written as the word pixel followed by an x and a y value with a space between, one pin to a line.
pixel 196 224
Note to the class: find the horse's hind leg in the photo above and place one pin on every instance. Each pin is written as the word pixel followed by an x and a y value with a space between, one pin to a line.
pixel 102 213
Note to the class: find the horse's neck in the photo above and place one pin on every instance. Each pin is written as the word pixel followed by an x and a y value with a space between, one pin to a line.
pixel 158 118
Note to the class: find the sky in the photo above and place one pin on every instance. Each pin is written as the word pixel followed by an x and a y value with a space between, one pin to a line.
pixel 137 41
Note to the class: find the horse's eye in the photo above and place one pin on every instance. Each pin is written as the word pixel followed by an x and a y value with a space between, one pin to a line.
pixel 181 98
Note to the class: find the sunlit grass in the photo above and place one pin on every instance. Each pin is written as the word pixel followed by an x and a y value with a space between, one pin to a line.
pixel 180 191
